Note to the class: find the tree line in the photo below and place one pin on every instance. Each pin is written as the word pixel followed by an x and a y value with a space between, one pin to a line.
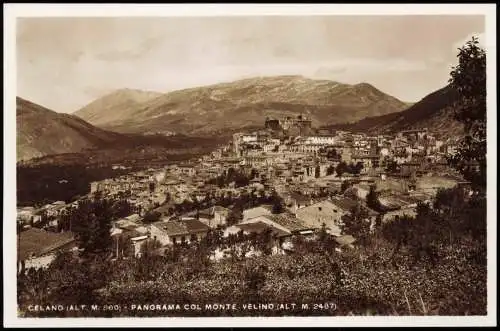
pixel 443 249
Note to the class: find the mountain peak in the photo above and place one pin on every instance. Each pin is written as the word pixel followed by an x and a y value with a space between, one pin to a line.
pixel 365 85
pixel 239 104
pixel 367 88
pixel 135 94
pixel 117 103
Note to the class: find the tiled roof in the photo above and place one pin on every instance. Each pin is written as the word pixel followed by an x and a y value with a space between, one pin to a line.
pixel 253 227
pixel 323 203
pixel 391 203
pixel 257 211
pixel 299 197
pixel 260 227
pixel 175 228
pixel 287 221
pixel 194 226
pixel 182 227
pixel 129 227
pixel 347 204
pixel 38 242
pixel 211 210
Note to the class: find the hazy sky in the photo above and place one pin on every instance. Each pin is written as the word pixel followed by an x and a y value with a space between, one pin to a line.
pixel 65 63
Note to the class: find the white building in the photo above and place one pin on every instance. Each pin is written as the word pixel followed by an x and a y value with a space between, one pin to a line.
pixel 321 140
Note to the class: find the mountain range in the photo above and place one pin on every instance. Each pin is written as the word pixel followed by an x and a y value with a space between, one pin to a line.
pixel 237 105
pixel 204 117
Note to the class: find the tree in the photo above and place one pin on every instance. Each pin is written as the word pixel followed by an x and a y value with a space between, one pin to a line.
pixel 330 170
pixel 122 208
pixel 398 231
pixel 341 168
pixel 277 202
pixel 92 224
pixel 235 215
pixel 278 207
pixel 241 180
pixel 344 186
pixel 317 171
pixel 332 154
pixel 468 79
pixel 152 216
pixel 461 214
pixel 356 169
pixel 449 201
pixel 322 233
pixel 124 246
pixel 148 247
pixel 264 242
pixel 152 187
pixel 392 166
pixel 254 276
pixel 372 199
pixel 356 223
pixel 325 240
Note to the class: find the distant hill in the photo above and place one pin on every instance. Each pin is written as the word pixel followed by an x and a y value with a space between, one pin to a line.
pixel 44 136
pixel 41 132
pixel 118 105
pixel 433 112
pixel 240 104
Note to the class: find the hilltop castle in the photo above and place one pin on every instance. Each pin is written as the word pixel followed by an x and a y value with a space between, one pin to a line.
pixel 299 126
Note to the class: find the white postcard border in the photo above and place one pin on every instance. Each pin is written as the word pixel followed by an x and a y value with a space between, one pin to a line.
pixel 12 11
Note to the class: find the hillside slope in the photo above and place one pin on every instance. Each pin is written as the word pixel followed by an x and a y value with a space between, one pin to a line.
pixel 41 132
pixel 433 112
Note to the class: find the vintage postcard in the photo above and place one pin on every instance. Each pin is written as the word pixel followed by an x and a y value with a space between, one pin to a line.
pixel 250 165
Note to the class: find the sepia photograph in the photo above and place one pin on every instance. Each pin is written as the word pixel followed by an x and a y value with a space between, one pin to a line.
pixel 225 163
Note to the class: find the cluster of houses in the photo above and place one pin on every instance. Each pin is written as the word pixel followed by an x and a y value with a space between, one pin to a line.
pixel 299 168
pixel 302 218
pixel 29 216
pixel 372 151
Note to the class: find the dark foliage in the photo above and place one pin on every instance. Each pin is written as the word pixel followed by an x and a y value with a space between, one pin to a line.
pixel 151 216
pixel 49 183
pixel 350 168
pixel 232 175
pixel 468 79
pixel 372 200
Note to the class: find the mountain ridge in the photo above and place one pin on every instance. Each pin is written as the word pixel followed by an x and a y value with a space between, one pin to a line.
pixel 433 112
pixel 243 103
pixel 45 136
pixel 41 131
pixel 118 102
